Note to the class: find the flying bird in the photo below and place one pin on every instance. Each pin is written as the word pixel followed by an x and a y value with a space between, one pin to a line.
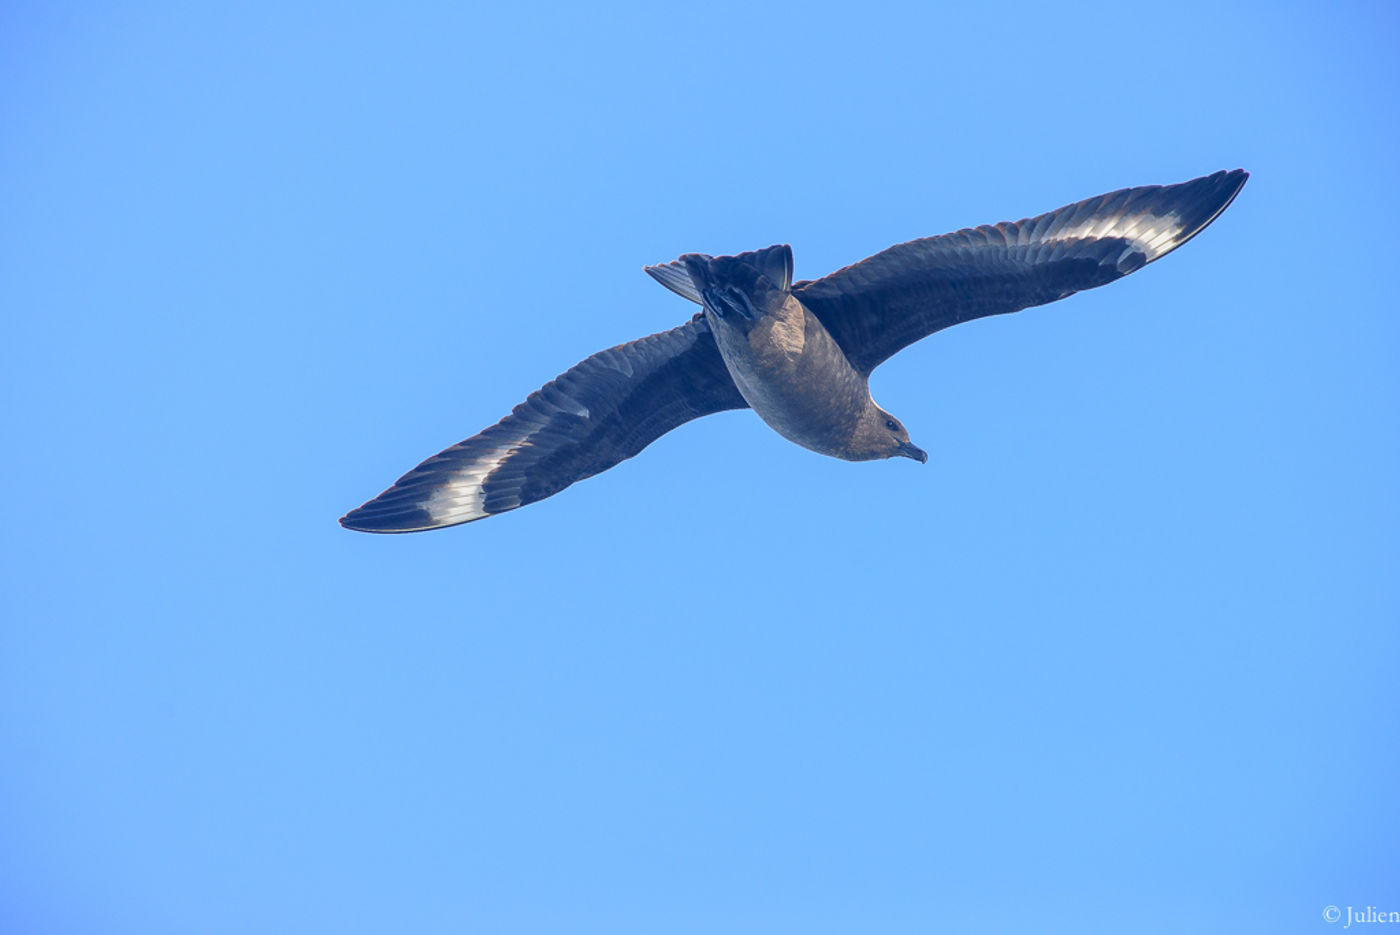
pixel 799 354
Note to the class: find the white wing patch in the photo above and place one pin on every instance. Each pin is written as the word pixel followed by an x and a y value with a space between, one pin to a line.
pixel 463 498
pixel 1150 234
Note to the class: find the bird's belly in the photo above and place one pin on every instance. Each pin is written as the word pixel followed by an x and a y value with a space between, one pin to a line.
pixel 797 381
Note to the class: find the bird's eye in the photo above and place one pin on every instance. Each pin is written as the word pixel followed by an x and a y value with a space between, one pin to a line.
pixel 892 425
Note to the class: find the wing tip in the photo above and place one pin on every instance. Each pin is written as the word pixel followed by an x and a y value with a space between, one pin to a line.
pixel 1217 192
pixel 1234 180
pixel 368 519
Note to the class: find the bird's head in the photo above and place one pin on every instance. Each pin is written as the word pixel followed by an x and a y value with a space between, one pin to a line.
pixel 881 435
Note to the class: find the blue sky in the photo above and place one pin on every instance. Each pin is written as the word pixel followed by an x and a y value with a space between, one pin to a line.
pixel 1121 656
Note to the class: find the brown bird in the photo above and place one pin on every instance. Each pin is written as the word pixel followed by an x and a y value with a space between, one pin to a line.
pixel 799 354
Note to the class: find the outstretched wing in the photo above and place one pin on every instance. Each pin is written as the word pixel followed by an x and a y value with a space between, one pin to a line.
pixel 605 409
pixel 887 302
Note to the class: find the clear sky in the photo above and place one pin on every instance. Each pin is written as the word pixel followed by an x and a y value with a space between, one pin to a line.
pixel 1121 657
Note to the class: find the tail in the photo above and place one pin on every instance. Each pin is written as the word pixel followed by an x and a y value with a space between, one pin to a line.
pixel 733 281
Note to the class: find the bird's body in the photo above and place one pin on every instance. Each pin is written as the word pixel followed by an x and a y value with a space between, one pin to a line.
pixel 799 354
pixel 779 354
pixel 778 362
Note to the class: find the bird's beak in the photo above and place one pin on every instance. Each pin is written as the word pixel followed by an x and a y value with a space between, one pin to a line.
pixel 910 450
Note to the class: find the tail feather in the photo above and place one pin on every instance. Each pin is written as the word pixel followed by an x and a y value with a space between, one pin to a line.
pixel 689 276
pixel 675 277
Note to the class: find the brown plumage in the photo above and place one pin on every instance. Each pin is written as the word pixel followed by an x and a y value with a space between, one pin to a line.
pixel 799 354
